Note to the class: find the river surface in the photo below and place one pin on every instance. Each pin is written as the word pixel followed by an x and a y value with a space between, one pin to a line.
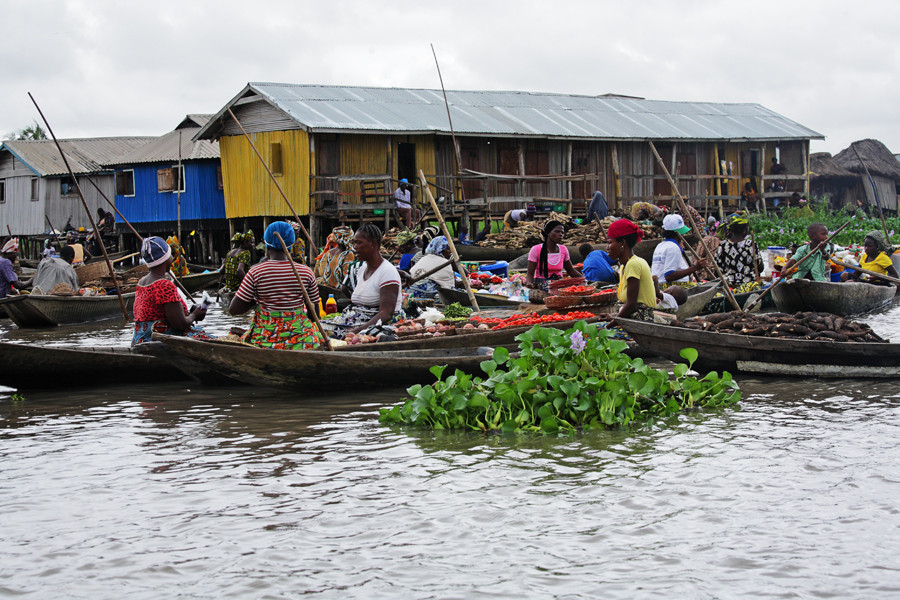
pixel 176 491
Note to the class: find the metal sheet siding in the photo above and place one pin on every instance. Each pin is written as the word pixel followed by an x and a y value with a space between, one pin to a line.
pixel 200 200
pixel 23 216
pixel 59 207
pixel 249 191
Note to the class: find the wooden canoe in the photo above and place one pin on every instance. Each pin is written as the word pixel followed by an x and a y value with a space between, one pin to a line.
pixel 196 282
pixel 848 298
pixel 727 351
pixel 449 296
pixel 721 304
pixel 696 301
pixel 28 367
pixel 32 310
pixel 316 369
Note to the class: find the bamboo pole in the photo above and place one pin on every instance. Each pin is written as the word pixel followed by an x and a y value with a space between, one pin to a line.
pixel 455 259
pixel 96 233
pixel 866 271
pixel 874 193
pixel 309 305
pixel 784 276
pixel 312 244
pixel 617 183
pixel 725 285
pixel 717 186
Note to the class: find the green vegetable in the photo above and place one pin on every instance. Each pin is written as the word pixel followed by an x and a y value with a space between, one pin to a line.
pixel 457 310
pixel 563 381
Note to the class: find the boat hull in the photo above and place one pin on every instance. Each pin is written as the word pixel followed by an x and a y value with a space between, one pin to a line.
pixel 200 281
pixel 849 298
pixel 32 310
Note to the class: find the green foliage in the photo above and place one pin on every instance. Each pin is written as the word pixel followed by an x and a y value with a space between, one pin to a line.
pixel 790 227
pixel 555 386
pixel 32 132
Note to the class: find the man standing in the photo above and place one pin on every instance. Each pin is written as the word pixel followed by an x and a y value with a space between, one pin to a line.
pixel 403 202
pixel 53 271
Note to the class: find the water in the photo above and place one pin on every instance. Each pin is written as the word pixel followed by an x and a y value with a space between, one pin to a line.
pixel 191 492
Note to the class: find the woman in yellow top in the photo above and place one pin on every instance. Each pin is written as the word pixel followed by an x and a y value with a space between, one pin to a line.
pixel 636 290
pixel 874 259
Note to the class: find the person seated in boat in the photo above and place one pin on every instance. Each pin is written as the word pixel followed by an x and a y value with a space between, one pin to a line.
pixel 333 264
pixel 158 306
pixel 737 255
pixel 238 260
pixel 598 266
pixel 464 238
pixel 636 291
pixel 646 213
pixel 8 278
pixel 436 254
pixel 670 299
pixel 406 246
pixel 376 295
pixel 428 234
pixel 53 271
pixel 550 259
pixel 513 217
pixel 81 254
pixel 106 222
pixel 669 263
pixel 816 267
pixel 281 320
pixel 48 250
pixel 179 263
pixel 875 258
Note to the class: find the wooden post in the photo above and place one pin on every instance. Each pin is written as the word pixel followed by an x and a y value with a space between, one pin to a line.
pixel 440 218
pixel 762 181
pixel 309 305
pixel 683 208
pixel 112 272
pixel 617 182
pixel 717 187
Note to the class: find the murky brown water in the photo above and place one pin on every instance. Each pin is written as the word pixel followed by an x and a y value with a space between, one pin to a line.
pixel 192 492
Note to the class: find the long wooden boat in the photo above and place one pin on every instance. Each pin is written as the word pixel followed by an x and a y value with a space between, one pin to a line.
pixel 697 298
pixel 34 262
pixel 720 304
pixel 42 367
pixel 449 296
pixel 32 310
pixel 735 352
pixel 316 369
pixel 196 282
pixel 848 298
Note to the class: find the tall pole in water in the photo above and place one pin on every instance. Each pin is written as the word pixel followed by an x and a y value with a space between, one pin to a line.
pixel 178 189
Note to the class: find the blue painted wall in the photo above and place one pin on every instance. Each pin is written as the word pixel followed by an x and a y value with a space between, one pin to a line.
pixel 201 199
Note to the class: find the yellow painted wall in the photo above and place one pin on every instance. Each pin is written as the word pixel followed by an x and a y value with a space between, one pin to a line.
pixel 249 191
pixel 361 155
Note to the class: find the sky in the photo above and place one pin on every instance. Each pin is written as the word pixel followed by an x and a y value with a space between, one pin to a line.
pixel 132 67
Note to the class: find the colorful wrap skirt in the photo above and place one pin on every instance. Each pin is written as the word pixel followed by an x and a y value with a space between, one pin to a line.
pixel 282 330
pixel 143 330
pixel 354 316
pixel 423 289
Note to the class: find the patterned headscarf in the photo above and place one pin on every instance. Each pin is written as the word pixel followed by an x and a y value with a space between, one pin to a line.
pixel 437 245
pixel 172 241
pixel 738 218
pixel 405 237
pixel 12 245
pixel 429 233
pixel 242 237
pixel 343 235
pixel 637 207
pixel 155 251
pixel 880 242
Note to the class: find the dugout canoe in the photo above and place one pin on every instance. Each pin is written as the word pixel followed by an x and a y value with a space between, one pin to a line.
pixel 303 370
pixel 698 297
pixel 449 296
pixel 27 367
pixel 33 310
pixel 848 298
pixel 735 352
pixel 196 282
pixel 720 304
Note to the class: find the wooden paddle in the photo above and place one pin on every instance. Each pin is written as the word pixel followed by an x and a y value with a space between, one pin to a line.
pixel 429 273
pixel 326 344
pixel 866 271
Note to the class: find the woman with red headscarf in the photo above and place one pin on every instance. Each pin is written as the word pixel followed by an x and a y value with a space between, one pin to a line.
pixel 636 290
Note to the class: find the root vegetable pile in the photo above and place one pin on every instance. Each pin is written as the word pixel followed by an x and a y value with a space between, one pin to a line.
pixel 801 325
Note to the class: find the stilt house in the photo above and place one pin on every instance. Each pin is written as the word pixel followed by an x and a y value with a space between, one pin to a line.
pixel 871 158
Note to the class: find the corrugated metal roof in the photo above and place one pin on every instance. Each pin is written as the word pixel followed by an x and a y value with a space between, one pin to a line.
pixel 194 120
pixel 165 149
pixel 343 108
pixel 87 155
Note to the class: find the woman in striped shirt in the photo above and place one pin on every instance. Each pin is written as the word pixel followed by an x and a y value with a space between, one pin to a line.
pixel 281 320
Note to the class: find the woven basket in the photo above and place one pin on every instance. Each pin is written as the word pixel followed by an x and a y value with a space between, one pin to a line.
pixel 566 282
pixel 600 299
pixel 561 301
pixel 537 296
pixel 576 294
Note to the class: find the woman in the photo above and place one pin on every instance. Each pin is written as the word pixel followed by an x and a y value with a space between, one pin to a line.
pixel 158 307
pixel 281 320
pixel 428 234
pixel 406 245
pixel 737 255
pixel 376 296
pixel 875 258
pixel 333 264
pixel 298 248
pixel 548 260
pixel 179 264
pixel 636 291
pixel 237 261
pixel 437 253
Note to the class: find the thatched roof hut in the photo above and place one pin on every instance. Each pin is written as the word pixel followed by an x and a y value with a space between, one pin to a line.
pixel 823 166
pixel 876 156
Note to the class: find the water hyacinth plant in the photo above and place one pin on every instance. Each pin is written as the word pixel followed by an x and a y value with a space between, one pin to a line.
pixel 561 381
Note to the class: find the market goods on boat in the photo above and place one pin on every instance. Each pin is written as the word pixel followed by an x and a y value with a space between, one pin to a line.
pixel 848 298
pixel 451 295
pixel 31 310
pixel 807 325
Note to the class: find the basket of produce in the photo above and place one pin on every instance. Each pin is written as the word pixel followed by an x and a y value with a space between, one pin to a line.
pixel 601 298
pixel 537 296
pixel 556 302
pixel 558 284
pixel 577 290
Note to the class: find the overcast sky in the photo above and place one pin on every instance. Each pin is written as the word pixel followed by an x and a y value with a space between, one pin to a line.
pixel 129 67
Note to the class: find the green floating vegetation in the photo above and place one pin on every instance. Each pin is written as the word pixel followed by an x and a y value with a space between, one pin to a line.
pixel 561 382
pixel 790 227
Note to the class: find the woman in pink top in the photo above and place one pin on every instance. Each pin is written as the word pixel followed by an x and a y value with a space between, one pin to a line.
pixel 549 260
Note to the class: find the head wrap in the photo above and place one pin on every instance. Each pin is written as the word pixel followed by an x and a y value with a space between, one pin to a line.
pixel 155 251
pixel 284 230
pixel 878 238
pixel 404 180
pixel 437 245
pixel 623 227
pixel 11 245
pixel 405 237
pixel 242 237
pixel 343 234
pixel 637 207
pixel 530 209
pixel 429 233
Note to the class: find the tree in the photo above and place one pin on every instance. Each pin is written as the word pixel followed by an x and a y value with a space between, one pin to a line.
pixel 32 132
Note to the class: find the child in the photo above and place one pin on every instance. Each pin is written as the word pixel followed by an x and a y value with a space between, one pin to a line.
pixel 816 267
